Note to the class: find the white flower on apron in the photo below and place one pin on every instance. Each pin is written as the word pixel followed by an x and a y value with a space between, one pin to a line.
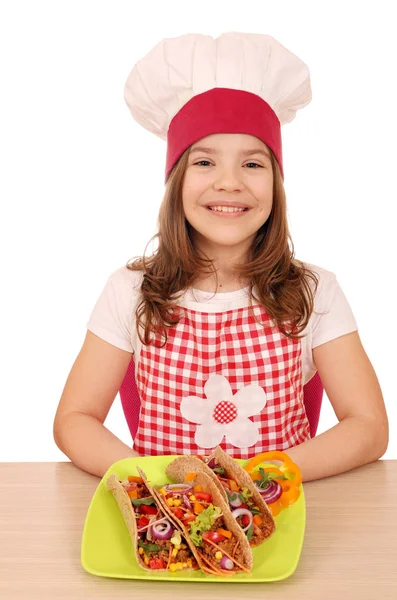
pixel 222 414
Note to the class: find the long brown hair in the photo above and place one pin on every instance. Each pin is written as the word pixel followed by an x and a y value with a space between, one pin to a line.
pixel 282 283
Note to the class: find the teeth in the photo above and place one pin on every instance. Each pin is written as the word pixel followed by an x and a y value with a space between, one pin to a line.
pixel 227 208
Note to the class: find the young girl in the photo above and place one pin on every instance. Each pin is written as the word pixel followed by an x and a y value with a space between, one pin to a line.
pixel 224 325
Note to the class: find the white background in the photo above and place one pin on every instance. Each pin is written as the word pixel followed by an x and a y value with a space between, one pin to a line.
pixel 81 182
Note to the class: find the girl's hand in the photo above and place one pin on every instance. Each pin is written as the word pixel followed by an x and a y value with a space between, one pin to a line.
pixel 361 436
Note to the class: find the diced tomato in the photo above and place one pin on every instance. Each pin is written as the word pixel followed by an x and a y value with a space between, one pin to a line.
pixel 244 505
pixel 147 509
pixel 213 536
pixel 203 496
pixel 142 522
pixel 189 519
pixel 178 512
pixel 157 563
pixel 245 520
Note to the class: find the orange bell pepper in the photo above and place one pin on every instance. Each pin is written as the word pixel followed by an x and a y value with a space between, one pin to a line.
pixel 290 493
pixel 198 508
pixel 275 507
pixel 225 532
pixel 134 478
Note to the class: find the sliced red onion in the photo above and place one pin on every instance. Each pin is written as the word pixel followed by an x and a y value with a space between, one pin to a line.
pixel 178 488
pixel 212 463
pixel 236 502
pixel 162 531
pixel 149 536
pixel 239 512
pixel 227 563
pixel 271 492
pixel 186 502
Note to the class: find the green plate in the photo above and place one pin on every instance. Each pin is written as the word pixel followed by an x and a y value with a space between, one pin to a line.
pixel 107 549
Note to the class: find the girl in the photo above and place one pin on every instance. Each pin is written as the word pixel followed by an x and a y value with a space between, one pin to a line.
pixel 224 325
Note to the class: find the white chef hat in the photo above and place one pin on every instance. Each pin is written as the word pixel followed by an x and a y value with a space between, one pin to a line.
pixel 192 86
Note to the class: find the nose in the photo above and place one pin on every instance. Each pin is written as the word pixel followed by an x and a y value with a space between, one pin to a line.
pixel 227 179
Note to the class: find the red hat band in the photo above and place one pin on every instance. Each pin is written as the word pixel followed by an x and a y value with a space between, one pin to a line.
pixel 223 110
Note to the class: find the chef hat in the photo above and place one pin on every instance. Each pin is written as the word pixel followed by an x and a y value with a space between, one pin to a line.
pixel 192 86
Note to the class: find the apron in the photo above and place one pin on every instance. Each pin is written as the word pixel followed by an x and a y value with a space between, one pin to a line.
pixel 222 378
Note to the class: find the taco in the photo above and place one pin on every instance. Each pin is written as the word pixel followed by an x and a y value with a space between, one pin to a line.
pixel 204 518
pixel 157 541
pixel 237 488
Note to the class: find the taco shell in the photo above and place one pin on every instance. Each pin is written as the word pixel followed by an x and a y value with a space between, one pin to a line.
pixel 245 552
pixel 179 467
pixel 126 509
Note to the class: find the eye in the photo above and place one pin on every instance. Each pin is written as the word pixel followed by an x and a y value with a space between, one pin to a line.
pixel 253 164
pixel 200 162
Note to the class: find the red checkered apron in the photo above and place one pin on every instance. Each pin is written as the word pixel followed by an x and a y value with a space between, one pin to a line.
pixel 232 344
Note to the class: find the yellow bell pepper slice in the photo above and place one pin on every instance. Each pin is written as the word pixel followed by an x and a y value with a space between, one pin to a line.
pixel 287 468
pixel 277 474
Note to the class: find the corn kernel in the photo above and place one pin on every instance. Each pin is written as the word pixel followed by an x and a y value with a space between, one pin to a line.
pixel 218 555
pixel 177 502
pixel 170 502
pixel 173 567
pixel 146 560
pixel 178 546
pixel 179 565
pixel 163 491
pixel 189 562
pixel 184 565
pixel 140 550
pixel 192 498
pixel 174 552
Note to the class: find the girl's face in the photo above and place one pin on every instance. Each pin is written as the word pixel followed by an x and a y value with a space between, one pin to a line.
pixel 228 190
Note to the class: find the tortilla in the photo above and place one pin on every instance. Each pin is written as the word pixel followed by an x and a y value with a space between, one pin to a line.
pixel 204 554
pixel 124 503
pixel 179 467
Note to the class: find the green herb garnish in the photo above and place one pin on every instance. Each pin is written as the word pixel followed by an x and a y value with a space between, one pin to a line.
pixel 232 497
pixel 149 547
pixel 249 533
pixel 266 478
pixel 139 501
pixel 219 470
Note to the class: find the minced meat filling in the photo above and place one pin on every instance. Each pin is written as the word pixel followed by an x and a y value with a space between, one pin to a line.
pixel 227 545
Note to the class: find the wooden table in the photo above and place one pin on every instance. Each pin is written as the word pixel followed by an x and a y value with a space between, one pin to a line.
pixel 349 551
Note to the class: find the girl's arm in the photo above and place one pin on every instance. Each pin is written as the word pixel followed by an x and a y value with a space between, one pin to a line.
pixel 89 392
pixel 362 434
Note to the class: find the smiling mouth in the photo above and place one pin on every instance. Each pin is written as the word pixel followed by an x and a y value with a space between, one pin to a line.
pixel 227 209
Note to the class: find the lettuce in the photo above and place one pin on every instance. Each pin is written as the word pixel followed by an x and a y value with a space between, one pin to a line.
pixel 203 522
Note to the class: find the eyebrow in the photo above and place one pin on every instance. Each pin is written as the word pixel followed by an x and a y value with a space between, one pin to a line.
pixel 246 152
